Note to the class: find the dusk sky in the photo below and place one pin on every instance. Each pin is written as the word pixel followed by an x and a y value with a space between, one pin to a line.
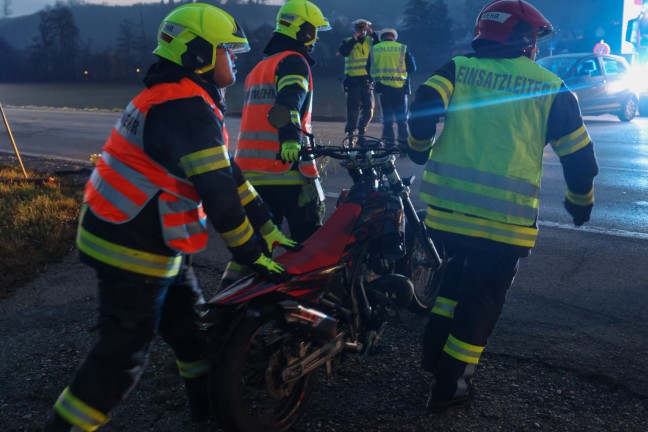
pixel 26 7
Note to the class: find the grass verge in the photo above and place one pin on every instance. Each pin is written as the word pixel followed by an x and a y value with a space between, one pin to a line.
pixel 37 225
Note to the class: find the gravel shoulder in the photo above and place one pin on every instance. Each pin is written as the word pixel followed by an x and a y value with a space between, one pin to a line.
pixel 521 384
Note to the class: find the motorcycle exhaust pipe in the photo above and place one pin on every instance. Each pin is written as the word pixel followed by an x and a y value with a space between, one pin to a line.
pixel 307 322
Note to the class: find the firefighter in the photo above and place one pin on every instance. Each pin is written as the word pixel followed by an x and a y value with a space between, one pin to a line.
pixel 357 82
pixel 163 170
pixel 290 186
pixel 482 179
pixel 390 64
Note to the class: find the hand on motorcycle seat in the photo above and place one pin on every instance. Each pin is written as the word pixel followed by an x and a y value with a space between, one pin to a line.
pixel 274 237
pixel 270 269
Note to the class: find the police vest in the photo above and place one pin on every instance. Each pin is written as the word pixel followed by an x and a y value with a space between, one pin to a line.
pixel 355 64
pixel 126 178
pixel 388 64
pixel 490 182
pixel 258 141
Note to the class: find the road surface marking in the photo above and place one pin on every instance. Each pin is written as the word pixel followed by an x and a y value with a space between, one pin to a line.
pixel 592 230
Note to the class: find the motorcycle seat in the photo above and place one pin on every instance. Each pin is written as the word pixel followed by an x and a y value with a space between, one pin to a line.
pixel 325 247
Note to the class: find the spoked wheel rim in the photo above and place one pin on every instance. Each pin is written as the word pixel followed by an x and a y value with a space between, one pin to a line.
pixel 421 275
pixel 268 399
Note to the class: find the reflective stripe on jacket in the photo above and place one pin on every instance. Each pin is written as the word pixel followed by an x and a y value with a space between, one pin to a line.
pixel 355 64
pixel 126 178
pixel 490 185
pixel 388 64
pixel 258 141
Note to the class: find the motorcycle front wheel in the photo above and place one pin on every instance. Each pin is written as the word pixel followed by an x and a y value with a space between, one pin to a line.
pixel 416 266
pixel 246 387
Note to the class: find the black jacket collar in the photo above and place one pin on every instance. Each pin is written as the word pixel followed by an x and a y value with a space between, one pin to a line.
pixel 280 43
pixel 165 71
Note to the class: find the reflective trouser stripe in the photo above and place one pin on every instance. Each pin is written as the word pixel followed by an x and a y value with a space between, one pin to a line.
pixel 193 369
pixel 126 258
pixel 444 306
pixel 77 413
pixel 462 351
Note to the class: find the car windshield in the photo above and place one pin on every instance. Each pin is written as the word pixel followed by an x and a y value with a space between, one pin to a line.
pixel 558 65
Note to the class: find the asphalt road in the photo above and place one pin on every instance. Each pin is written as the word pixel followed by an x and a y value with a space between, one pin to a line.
pixel 579 302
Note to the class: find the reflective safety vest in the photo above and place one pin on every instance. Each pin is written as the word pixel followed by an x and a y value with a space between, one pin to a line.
pixel 355 64
pixel 258 141
pixel 126 178
pixel 388 64
pixel 490 183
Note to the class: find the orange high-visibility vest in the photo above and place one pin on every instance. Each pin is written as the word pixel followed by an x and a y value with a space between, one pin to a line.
pixel 126 178
pixel 258 142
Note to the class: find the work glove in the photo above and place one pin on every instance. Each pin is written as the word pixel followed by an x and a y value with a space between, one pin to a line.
pixel 274 237
pixel 290 151
pixel 270 269
pixel 580 214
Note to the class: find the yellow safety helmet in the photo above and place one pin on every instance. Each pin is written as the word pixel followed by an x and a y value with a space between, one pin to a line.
pixel 301 20
pixel 190 34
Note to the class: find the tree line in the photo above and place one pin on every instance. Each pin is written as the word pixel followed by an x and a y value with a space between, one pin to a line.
pixel 59 54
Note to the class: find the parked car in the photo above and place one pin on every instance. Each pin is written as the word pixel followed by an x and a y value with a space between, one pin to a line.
pixel 604 84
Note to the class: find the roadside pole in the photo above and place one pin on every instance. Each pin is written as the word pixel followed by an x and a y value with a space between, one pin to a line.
pixel 13 142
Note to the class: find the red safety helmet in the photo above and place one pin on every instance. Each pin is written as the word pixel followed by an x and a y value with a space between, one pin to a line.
pixel 513 23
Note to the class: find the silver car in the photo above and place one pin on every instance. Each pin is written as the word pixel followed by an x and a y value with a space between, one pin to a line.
pixel 603 83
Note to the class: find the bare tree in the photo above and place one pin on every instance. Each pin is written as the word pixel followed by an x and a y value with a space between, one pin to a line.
pixel 6 8
pixel 57 50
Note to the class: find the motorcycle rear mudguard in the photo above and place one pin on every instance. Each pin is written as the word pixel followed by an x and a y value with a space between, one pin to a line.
pixel 310 268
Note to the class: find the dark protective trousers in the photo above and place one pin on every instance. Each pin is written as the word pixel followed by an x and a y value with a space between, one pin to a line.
pixel 360 107
pixel 284 202
pixel 478 281
pixel 393 105
pixel 130 314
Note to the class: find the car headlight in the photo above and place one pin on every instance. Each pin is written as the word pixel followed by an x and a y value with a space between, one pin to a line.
pixel 637 78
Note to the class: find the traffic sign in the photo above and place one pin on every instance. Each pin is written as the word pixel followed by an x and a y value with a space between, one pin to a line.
pixel 601 48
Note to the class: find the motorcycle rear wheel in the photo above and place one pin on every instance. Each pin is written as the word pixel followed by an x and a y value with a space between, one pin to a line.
pixel 246 388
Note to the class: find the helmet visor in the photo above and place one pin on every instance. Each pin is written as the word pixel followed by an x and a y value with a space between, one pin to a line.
pixel 545 33
pixel 238 43
pixel 324 25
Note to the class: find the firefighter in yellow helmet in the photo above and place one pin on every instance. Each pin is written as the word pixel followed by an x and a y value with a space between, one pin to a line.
pixel 289 185
pixel 358 85
pixel 482 179
pixel 163 171
pixel 390 66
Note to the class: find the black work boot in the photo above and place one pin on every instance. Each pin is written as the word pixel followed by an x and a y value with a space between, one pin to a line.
pixel 438 402
pixel 361 138
pixel 56 423
pixel 198 396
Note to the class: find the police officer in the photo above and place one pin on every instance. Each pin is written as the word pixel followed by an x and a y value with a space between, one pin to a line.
pixel 357 83
pixel 163 170
pixel 390 64
pixel 290 186
pixel 482 179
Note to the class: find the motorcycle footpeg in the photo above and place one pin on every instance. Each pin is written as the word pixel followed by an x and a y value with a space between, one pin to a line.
pixel 398 289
